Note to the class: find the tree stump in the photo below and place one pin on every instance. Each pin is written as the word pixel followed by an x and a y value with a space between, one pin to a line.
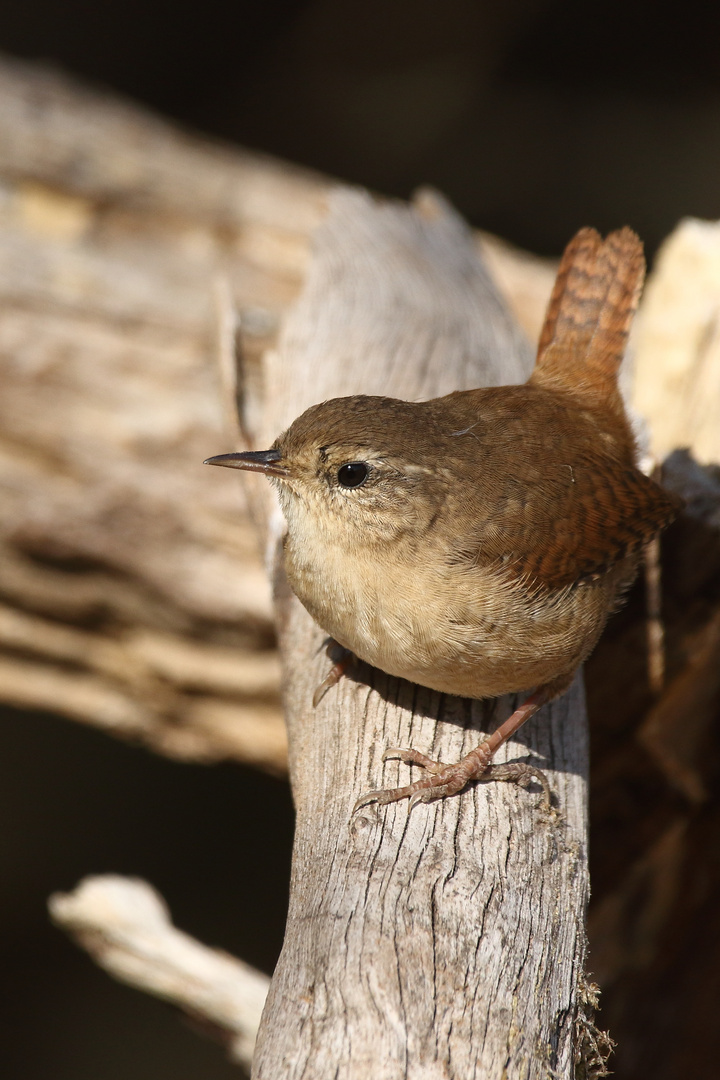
pixel 449 942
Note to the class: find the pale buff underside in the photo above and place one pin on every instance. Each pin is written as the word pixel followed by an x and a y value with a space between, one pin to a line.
pixel 447 627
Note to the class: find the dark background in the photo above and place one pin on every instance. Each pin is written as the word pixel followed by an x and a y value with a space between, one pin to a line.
pixel 534 117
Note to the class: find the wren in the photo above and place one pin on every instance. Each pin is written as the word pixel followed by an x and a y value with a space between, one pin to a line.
pixel 477 543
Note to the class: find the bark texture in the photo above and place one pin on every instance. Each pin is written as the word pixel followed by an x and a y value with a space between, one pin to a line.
pixel 448 943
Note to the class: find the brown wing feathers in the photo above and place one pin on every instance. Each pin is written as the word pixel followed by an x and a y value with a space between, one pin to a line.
pixel 612 513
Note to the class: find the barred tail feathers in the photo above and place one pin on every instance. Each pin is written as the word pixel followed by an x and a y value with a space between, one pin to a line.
pixel 590 313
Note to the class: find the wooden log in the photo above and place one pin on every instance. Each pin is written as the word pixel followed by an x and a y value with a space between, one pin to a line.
pixel 132 591
pixel 449 942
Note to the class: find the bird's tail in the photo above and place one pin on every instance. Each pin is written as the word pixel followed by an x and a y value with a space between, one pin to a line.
pixel 589 316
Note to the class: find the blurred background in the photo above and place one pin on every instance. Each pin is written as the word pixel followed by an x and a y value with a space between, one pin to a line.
pixel 534 117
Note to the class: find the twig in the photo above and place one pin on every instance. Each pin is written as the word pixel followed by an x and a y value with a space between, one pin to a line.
pixel 125 926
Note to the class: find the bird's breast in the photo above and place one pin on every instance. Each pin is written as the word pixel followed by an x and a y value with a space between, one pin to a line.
pixel 429 621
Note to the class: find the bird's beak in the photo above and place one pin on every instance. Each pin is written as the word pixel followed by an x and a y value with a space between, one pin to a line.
pixel 264 461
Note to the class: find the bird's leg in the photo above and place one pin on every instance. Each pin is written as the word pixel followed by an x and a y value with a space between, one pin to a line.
pixel 443 780
pixel 342 658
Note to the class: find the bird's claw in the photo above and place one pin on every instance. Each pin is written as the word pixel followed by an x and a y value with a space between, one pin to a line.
pixel 413 757
pixel 335 673
pixel 444 780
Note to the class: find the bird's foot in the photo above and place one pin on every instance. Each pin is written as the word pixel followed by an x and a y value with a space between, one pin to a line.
pixel 442 780
pixel 519 772
pixel 342 658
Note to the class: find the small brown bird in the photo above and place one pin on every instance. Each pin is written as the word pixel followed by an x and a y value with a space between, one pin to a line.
pixel 477 543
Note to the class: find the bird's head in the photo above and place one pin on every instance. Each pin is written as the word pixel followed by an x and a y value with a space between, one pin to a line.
pixel 364 469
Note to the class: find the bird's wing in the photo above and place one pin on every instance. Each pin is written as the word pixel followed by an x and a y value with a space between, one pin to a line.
pixel 541 485
pixel 582 527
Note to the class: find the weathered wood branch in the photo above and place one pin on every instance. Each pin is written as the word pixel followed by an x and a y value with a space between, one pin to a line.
pixel 126 928
pixel 450 942
pixel 132 591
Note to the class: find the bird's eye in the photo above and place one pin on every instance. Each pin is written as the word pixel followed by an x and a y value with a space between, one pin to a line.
pixel 353 474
